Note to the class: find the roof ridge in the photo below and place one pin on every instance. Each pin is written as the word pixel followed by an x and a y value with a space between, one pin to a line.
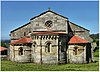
pixel 46 12
pixel 38 16
pixel 20 27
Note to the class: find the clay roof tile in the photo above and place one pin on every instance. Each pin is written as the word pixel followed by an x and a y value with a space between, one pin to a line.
pixel 77 40
pixel 22 40
pixel 2 48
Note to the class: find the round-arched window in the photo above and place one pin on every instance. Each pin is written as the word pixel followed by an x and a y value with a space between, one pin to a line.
pixel 20 51
pixel 34 44
pixel 47 46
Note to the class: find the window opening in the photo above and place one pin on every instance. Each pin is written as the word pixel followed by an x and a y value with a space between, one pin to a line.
pixel 20 51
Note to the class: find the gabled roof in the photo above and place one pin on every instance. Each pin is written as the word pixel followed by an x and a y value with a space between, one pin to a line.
pixel 77 40
pixel 19 27
pixel 79 26
pixel 22 41
pixel 46 12
pixel 2 48
pixel 42 14
pixel 48 32
pixel 36 17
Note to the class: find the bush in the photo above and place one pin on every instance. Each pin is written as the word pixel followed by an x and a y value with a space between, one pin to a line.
pixel 96 49
pixel 96 52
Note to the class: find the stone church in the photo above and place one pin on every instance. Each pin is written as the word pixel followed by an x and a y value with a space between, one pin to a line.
pixel 50 38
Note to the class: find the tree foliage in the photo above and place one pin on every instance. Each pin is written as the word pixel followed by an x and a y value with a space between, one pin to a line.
pixel 3 44
pixel 95 36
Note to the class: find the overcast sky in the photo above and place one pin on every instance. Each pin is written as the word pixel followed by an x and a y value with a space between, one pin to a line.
pixel 15 14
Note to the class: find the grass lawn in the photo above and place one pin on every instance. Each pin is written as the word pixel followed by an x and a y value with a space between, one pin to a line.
pixel 13 66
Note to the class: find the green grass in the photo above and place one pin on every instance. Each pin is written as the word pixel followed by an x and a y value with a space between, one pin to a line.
pixel 13 66
pixel 96 54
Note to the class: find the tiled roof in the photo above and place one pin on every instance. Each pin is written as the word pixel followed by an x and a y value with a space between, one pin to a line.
pixel 49 32
pixel 42 14
pixel 38 16
pixel 89 39
pixel 2 48
pixel 77 40
pixel 22 40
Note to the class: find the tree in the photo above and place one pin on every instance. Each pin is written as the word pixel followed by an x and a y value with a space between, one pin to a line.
pixel 97 42
pixel 3 44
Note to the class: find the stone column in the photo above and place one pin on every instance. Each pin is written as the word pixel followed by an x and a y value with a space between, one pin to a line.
pixel 57 48
pixel 40 49
pixel 92 56
pixel 85 54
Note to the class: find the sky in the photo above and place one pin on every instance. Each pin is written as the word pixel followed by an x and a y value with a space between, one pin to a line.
pixel 17 13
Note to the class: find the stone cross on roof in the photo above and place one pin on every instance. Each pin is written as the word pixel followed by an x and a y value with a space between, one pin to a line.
pixel 49 8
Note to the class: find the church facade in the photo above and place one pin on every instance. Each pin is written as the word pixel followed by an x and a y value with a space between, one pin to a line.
pixel 52 39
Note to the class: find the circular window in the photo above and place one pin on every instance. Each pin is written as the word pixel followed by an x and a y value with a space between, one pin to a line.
pixel 48 23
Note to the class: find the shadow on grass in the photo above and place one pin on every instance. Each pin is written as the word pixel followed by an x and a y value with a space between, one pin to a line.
pixel 95 61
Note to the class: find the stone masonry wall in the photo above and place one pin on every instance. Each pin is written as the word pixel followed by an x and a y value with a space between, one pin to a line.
pixel 47 57
pixel 79 31
pixel 59 23
pixel 81 54
pixel 14 54
pixel 21 32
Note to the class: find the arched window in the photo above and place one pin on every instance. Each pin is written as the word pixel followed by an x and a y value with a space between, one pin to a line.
pixel 75 50
pixel 20 51
pixel 24 33
pixel 34 45
pixel 47 47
